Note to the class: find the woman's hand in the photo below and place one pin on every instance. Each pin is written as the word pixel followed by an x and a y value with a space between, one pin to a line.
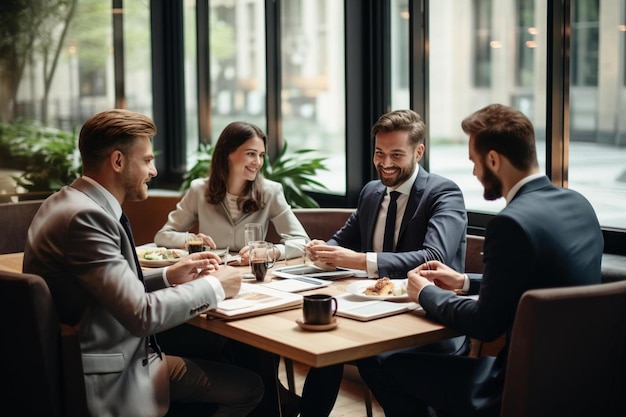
pixel 208 241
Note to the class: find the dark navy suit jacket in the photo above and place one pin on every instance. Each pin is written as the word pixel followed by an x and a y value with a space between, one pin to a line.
pixel 546 236
pixel 434 226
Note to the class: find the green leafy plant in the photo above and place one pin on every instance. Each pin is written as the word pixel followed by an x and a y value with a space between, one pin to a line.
pixel 47 156
pixel 295 171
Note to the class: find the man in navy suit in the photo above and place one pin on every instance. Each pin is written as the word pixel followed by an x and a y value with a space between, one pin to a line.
pixel 546 236
pixel 431 218
pixel 431 224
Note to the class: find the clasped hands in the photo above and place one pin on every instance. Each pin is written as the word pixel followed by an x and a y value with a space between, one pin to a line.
pixel 433 273
pixel 327 256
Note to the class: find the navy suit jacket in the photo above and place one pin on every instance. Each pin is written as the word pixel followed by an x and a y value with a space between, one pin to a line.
pixel 546 236
pixel 434 226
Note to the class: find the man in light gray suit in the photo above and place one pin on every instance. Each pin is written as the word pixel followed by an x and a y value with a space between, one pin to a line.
pixel 80 245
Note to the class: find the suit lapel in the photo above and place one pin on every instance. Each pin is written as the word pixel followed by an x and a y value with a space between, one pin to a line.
pixel 417 191
pixel 370 208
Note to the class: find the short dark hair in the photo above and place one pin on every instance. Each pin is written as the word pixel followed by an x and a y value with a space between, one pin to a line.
pixel 232 137
pixel 109 130
pixel 505 130
pixel 406 120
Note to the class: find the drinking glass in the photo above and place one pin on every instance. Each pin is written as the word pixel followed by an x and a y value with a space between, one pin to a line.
pixel 262 257
pixel 253 233
pixel 194 243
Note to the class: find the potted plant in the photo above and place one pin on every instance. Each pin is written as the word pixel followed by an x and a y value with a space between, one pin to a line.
pixel 295 171
pixel 46 156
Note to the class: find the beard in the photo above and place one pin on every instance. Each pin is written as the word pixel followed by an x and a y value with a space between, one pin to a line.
pixel 404 174
pixel 491 184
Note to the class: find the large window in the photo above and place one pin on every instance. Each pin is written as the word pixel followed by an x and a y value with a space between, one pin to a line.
pixel 282 65
pixel 597 163
pixel 313 87
pixel 464 76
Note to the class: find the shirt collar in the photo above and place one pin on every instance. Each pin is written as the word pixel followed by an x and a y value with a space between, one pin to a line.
pixel 405 187
pixel 513 191
pixel 113 203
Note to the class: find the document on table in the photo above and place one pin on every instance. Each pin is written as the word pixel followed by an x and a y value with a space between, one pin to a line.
pixel 254 300
pixel 356 308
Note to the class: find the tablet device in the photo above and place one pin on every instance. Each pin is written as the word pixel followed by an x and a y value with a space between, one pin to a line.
pixel 312 271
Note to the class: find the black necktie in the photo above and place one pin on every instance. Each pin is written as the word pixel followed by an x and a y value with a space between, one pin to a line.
pixel 126 224
pixel 390 223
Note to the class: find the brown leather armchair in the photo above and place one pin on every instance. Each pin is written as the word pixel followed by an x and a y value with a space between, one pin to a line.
pixel 568 353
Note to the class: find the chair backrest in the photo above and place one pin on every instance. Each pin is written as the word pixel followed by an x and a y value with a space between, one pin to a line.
pixel 15 219
pixel 41 367
pixel 319 223
pixel 568 353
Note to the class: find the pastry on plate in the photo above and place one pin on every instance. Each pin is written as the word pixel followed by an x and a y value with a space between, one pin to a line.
pixel 382 286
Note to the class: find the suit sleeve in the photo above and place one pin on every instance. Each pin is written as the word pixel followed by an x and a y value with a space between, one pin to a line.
pixel 507 270
pixel 183 218
pixel 105 272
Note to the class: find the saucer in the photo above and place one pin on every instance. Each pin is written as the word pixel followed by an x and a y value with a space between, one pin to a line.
pixel 318 327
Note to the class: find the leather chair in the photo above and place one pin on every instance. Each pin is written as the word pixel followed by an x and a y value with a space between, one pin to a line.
pixel 568 353
pixel 15 220
pixel 41 367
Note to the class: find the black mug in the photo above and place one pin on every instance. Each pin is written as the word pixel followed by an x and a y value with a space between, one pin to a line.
pixel 318 308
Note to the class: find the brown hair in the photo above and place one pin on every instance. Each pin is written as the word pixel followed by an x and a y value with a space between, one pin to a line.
pixel 406 120
pixel 109 130
pixel 232 137
pixel 505 130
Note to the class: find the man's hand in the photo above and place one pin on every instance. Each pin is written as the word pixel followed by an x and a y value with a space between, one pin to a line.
pixel 230 278
pixel 192 266
pixel 335 256
pixel 442 275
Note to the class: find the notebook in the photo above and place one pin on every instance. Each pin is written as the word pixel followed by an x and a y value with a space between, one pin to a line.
pixel 356 308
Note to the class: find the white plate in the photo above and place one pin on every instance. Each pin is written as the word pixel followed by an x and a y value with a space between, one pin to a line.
pixel 154 263
pixel 358 289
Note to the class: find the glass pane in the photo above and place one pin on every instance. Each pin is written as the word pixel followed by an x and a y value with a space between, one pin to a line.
pixel 137 56
pixel 597 166
pixel 400 96
pixel 191 80
pixel 237 55
pixel 313 85
pixel 486 52
pixel 60 79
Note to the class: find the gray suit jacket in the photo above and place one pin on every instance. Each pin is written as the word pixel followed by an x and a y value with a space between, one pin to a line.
pixel 79 247
pixel 434 226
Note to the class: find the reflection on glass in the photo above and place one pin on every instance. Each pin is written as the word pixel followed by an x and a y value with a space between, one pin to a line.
pixel 313 103
pixel 598 99
pixel 137 56
pixel 237 56
pixel 400 97
pixel 487 51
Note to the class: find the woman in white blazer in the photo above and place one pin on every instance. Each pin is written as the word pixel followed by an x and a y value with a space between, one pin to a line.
pixel 234 194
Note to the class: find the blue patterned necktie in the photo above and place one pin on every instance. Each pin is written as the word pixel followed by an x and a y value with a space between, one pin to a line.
pixel 390 223
pixel 126 224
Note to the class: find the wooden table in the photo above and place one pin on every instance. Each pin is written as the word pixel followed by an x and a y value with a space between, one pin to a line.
pixel 11 262
pixel 350 340
pixel 279 333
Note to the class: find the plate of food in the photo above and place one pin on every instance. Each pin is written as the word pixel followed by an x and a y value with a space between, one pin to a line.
pixel 156 257
pixel 381 289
